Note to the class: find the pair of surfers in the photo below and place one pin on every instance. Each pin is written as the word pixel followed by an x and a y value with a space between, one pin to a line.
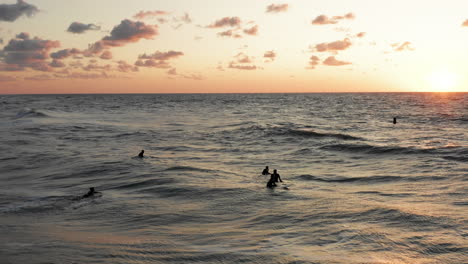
pixel 274 177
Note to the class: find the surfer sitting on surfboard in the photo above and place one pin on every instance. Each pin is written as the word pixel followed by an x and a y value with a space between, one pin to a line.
pixel 266 171
pixel 274 178
pixel 91 192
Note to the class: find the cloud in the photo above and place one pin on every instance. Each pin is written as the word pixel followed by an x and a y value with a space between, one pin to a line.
pixel 158 59
pixel 93 66
pixel 465 23
pixel 240 62
pixel 123 66
pixel 361 34
pixel 226 22
pixel 145 14
pixel 106 55
pixel 333 46
pixel 253 31
pixel 162 55
pixel 25 52
pixel 12 12
pixel 270 55
pixel 86 75
pixel 65 53
pixel 232 65
pixel 129 31
pixel 313 62
pixel 57 64
pixel 332 61
pixel 403 46
pixel 229 33
pixel 79 28
pixel 172 71
pixel 196 77
pixel 277 8
pixel 325 20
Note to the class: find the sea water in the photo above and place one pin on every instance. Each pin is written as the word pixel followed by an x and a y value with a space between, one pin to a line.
pixel 360 189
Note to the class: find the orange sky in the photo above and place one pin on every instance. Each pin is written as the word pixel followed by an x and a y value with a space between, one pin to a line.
pixel 218 46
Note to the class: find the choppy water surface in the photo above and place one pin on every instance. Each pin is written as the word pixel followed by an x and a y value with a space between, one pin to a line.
pixel 361 189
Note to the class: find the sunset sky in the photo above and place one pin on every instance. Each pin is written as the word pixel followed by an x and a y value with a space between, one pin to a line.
pixel 220 46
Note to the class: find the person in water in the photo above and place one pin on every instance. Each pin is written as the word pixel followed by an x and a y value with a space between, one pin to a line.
pixel 91 193
pixel 276 176
pixel 141 154
pixel 266 171
pixel 271 183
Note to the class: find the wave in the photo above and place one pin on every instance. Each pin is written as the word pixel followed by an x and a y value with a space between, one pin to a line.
pixel 369 149
pixel 369 180
pixel 187 168
pixel 29 112
pixel 313 134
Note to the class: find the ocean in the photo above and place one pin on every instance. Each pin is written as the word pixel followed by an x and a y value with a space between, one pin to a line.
pixel 356 187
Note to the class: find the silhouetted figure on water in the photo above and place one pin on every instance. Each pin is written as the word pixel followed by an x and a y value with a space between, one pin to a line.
pixel 91 193
pixel 271 183
pixel 141 154
pixel 266 171
pixel 394 120
pixel 274 178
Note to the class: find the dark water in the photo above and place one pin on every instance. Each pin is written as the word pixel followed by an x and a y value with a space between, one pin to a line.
pixel 361 190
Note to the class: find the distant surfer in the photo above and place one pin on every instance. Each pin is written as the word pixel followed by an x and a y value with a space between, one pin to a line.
pixel 266 171
pixel 394 120
pixel 91 193
pixel 276 176
pixel 271 183
pixel 142 152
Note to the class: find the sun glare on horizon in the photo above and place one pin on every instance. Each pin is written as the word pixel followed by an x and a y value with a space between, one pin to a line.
pixel 442 81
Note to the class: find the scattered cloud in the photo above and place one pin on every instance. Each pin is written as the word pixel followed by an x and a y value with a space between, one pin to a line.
pixel 158 59
pixel 269 56
pixel 465 23
pixel 79 28
pixel 130 31
pixel 361 34
pixel 65 53
pixel 106 55
pixel 240 62
pixel 313 62
pixel 123 66
pixel 185 18
pixel 229 33
pixel 150 14
pixel 226 22
pixel 333 46
pixel 277 8
pixel 26 52
pixel 253 31
pixel 402 46
pixel 325 20
pixel 332 61
pixel 57 64
pixel 172 71
pixel 12 12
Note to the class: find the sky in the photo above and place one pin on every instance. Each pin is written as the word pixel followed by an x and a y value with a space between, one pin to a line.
pixel 242 46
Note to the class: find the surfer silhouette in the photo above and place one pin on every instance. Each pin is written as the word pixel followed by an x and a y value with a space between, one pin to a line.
pixel 141 154
pixel 276 176
pixel 91 193
pixel 394 120
pixel 266 171
pixel 271 183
